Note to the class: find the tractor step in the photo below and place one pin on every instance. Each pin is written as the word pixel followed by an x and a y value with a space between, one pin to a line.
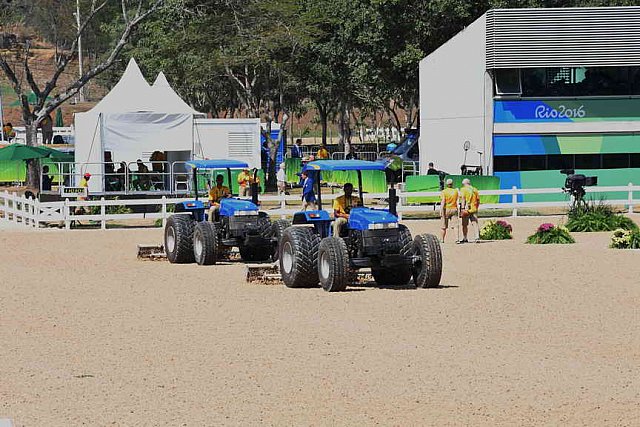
pixel 151 252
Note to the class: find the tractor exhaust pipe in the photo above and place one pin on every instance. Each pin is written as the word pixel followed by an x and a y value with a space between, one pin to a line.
pixel 393 200
pixel 255 187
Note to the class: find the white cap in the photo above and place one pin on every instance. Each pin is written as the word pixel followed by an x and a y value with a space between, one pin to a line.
pixel 466 181
pixel 449 181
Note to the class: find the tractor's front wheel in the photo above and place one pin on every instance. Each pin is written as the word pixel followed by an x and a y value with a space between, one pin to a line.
pixel 334 271
pixel 277 231
pixel 178 239
pixel 401 275
pixel 428 271
pixel 299 257
pixel 206 243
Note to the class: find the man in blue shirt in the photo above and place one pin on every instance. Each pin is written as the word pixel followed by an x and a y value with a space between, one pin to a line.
pixel 308 196
pixel 296 150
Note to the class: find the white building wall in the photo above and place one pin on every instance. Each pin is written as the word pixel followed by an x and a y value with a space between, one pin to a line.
pixel 452 101
pixel 237 139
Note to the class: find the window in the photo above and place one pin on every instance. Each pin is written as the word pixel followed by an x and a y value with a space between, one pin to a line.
pixel 615 161
pixel 566 161
pixel 587 161
pixel 560 161
pixel 580 81
pixel 508 82
pixel 533 163
pixel 506 163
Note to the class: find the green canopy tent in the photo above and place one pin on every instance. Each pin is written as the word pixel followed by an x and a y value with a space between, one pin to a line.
pixel 22 152
pixel 13 161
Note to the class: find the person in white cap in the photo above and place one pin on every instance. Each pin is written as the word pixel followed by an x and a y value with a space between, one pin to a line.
pixel 448 205
pixel 281 177
pixel 469 204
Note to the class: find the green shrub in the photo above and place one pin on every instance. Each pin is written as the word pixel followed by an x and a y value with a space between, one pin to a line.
pixel 625 239
pixel 550 234
pixel 496 230
pixel 596 216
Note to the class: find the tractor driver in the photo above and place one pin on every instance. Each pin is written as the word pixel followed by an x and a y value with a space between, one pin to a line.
pixel 342 208
pixel 217 193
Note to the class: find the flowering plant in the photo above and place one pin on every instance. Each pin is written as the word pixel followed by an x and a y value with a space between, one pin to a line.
pixel 548 233
pixel 625 239
pixel 547 226
pixel 496 230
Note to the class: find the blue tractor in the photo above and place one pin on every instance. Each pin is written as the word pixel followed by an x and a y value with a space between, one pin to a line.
pixel 190 235
pixel 309 253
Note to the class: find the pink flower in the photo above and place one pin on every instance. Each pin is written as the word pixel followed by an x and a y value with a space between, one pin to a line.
pixel 504 224
pixel 545 227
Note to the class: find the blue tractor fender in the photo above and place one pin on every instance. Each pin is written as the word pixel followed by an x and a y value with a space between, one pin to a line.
pixel 320 220
pixel 231 206
pixel 310 217
pixel 194 207
pixel 367 218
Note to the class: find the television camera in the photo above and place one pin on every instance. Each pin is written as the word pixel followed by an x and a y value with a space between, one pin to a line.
pixel 574 183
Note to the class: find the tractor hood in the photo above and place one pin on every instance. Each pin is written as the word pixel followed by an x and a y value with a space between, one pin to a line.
pixel 229 206
pixel 361 218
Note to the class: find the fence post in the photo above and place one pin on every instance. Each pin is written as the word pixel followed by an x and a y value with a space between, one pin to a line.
pixel 8 210
pixel 65 215
pixel 630 198
pixel 37 213
pixel 164 212
pixel 103 213
pixel 514 201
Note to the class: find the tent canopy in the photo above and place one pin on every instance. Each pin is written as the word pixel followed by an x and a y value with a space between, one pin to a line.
pixel 132 120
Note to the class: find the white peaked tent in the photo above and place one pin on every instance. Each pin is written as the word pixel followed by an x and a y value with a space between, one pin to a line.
pixel 132 120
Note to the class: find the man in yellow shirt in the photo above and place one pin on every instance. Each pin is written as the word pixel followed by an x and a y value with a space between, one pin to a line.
pixel 448 205
pixel 342 208
pixel 470 201
pixel 323 153
pixel 216 193
pixel 244 181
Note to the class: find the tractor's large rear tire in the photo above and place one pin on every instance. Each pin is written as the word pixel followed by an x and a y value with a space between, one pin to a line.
pixel 397 276
pixel 277 230
pixel 334 271
pixel 178 239
pixel 206 243
pixel 299 257
pixel 428 271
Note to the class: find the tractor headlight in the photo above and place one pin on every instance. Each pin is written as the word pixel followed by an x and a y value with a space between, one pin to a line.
pixel 246 213
pixel 383 226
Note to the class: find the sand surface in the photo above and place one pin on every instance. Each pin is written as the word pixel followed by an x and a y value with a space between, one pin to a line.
pixel 518 335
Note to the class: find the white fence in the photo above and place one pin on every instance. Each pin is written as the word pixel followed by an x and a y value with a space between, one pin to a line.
pixel 33 213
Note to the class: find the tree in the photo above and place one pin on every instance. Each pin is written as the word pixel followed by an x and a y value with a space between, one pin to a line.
pixel 66 43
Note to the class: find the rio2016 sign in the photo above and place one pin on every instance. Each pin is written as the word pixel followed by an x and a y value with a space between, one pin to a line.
pixel 544 112
pixel 583 110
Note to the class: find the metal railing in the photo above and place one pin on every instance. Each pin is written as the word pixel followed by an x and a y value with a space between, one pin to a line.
pixel 361 155
pixel 32 212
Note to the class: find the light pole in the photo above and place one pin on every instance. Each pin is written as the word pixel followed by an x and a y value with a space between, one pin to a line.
pixel 77 15
pixel 1 118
